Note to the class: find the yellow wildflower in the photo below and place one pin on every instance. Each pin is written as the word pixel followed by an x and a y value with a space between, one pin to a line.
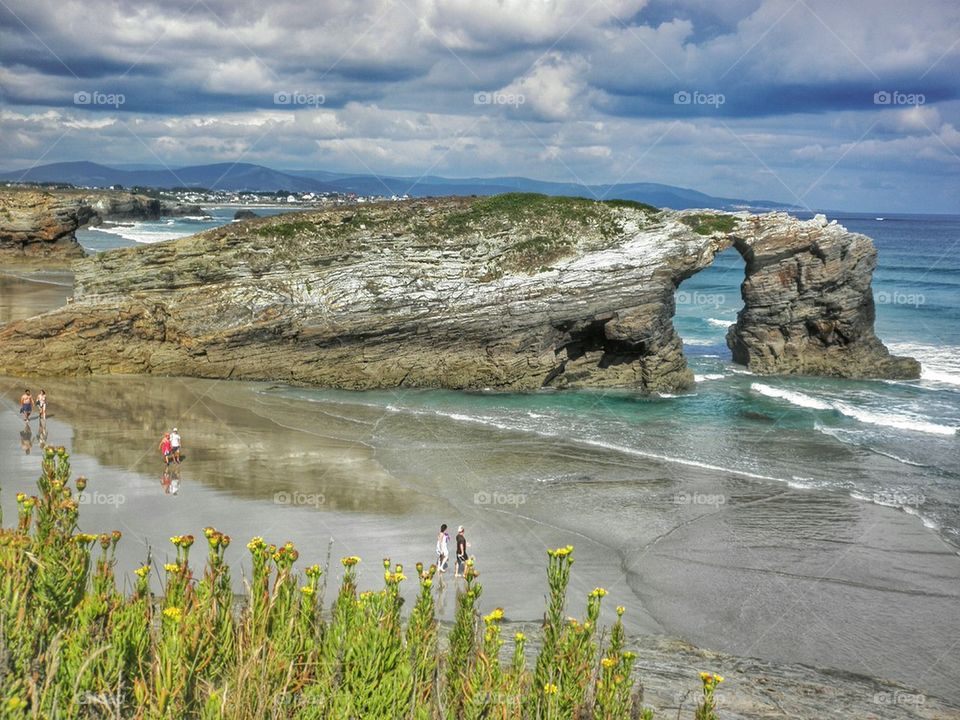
pixel 307 590
pixel 172 567
pixel 608 662
pixel 350 561
pixel 550 689
pixel 142 571
pixel 173 613
pixel 494 616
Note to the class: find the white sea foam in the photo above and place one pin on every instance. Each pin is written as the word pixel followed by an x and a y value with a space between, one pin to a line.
pixel 894 420
pixel 708 376
pixel 141 233
pixel 939 364
pixel 794 398
pixel 719 323
pixel 700 342
pixel 870 417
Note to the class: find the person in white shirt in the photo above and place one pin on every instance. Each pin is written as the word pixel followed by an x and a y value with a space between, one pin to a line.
pixel 175 445
pixel 443 551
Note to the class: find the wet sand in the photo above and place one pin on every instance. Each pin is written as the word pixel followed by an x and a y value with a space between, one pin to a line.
pixel 784 575
pixel 25 293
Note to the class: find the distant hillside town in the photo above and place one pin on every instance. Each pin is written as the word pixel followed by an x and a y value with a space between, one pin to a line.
pixel 205 196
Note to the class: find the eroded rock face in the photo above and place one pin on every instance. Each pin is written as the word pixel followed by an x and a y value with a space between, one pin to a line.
pixel 129 206
pixel 514 292
pixel 808 306
pixel 40 225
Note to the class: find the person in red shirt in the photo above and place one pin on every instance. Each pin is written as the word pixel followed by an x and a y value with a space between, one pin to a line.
pixel 166 448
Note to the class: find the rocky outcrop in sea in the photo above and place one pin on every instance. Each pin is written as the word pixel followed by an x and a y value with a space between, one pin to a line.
pixel 39 225
pixel 514 292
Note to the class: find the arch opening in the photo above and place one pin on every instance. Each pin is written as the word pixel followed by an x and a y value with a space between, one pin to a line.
pixel 706 304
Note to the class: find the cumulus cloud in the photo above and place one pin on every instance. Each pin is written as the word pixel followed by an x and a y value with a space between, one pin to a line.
pixel 553 89
pixel 400 87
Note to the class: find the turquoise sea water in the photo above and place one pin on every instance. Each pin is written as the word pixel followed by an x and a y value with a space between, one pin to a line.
pixel 890 443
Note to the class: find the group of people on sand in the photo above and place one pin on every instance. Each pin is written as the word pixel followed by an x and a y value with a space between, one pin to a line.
pixel 170 447
pixel 443 551
pixel 27 404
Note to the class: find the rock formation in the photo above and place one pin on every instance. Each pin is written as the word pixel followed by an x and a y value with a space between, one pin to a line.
pixel 37 225
pixel 513 292
pixel 40 225
pixel 129 206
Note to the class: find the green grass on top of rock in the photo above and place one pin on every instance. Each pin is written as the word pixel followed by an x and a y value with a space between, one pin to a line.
pixel 518 208
pixel 636 205
pixel 707 224
pixel 289 229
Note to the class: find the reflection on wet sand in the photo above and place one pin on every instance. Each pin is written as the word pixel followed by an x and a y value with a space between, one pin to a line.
pixel 269 451
pixel 26 438
pixel 23 295
pixel 170 481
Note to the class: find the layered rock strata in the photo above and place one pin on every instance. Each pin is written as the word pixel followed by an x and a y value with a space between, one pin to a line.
pixel 514 292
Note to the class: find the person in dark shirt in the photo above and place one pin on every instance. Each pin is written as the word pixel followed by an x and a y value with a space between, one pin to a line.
pixel 461 553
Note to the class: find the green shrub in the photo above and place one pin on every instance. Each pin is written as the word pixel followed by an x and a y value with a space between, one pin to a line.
pixel 73 646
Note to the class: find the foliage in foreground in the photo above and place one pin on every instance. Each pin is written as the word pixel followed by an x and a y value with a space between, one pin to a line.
pixel 73 646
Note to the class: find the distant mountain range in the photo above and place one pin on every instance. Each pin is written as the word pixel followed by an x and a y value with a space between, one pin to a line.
pixel 247 176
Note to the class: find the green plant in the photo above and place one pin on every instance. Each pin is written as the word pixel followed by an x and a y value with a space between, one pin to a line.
pixel 72 645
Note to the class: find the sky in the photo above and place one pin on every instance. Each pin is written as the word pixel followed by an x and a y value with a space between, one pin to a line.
pixel 849 105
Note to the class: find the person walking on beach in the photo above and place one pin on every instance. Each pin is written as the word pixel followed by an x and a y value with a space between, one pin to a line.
pixel 462 546
pixel 42 404
pixel 26 405
pixel 443 548
pixel 166 449
pixel 175 445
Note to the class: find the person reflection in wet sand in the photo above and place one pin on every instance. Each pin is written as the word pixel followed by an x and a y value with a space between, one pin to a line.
pixel 170 481
pixel 42 433
pixel 26 438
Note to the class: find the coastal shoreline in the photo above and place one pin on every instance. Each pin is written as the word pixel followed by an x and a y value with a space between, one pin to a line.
pixel 261 463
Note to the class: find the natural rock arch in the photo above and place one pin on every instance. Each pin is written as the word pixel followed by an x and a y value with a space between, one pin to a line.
pixel 514 292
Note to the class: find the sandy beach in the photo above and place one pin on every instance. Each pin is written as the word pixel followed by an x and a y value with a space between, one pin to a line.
pixel 784 575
